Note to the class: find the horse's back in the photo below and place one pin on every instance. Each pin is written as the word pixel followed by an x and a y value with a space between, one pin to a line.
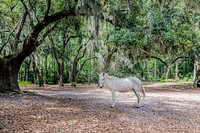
pixel 120 84
pixel 124 84
pixel 137 83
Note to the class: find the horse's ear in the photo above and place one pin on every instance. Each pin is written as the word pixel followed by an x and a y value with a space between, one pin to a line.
pixel 103 73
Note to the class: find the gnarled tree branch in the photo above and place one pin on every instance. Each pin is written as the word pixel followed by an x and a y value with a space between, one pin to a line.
pixel 82 65
pixel 4 44
pixel 19 29
pixel 29 14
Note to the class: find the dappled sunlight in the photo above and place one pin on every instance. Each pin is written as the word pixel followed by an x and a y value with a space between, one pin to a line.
pixel 159 84
pixel 88 108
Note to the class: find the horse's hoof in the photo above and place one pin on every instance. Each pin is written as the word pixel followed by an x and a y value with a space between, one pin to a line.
pixel 137 106
pixel 112 106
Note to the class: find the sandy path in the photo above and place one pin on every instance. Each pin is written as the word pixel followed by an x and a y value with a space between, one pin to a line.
pixel 170 108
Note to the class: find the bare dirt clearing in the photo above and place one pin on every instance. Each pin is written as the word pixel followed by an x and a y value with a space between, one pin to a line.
pixel 168 107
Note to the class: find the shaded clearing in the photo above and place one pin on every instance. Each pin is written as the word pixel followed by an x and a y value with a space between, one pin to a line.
pixel 166 108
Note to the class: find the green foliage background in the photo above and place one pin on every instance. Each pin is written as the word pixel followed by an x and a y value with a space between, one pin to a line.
pixel 143 32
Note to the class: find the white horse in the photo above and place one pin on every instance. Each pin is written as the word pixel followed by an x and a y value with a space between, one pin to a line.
pixel 115 84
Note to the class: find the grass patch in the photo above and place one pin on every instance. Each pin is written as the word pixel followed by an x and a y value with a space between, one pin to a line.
pixel 24 83
pixel 73 84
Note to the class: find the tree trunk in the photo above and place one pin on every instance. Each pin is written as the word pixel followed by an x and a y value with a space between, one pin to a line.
pixel 40 72
pixel 81 67
pixel 55 75
pixel 70 75
pixel 74 72
pixel 194 76
pixel 46 70
pixel 73 75
pixel 176 77
pixel 60 71
pixel 196 72
pixel 26 70
pixel 167 73
pixel 148 70
pixel 155 69
pixel 9 75
pixel 9 65
pixel 40 78
pixel 90 72
pixel 34 71
pixel 24 74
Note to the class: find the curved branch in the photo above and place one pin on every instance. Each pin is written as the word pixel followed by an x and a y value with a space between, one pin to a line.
pixel 148 56
pixel 108 57
pixel 30 44
pixel 29 14
pixel 31 5
pixel 4 44
pixel 84 51
pixel 47 33
pixel 82 65
pixel 180 57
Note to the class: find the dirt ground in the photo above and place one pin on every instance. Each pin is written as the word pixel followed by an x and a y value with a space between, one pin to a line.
pixel 167 108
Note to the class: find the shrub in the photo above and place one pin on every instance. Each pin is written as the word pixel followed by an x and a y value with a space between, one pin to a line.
pixel 24 83
pixel 73 84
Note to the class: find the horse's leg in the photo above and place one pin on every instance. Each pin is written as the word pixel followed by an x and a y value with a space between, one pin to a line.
pixel 138 98
pixel 113 99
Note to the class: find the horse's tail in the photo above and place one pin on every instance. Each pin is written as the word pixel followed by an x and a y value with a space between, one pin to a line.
pixel 143 92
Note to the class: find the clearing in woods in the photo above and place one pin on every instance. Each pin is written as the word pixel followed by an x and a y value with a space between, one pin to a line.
pixel 167 107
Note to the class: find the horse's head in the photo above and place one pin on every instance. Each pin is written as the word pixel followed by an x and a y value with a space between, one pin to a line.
pixel 101 80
